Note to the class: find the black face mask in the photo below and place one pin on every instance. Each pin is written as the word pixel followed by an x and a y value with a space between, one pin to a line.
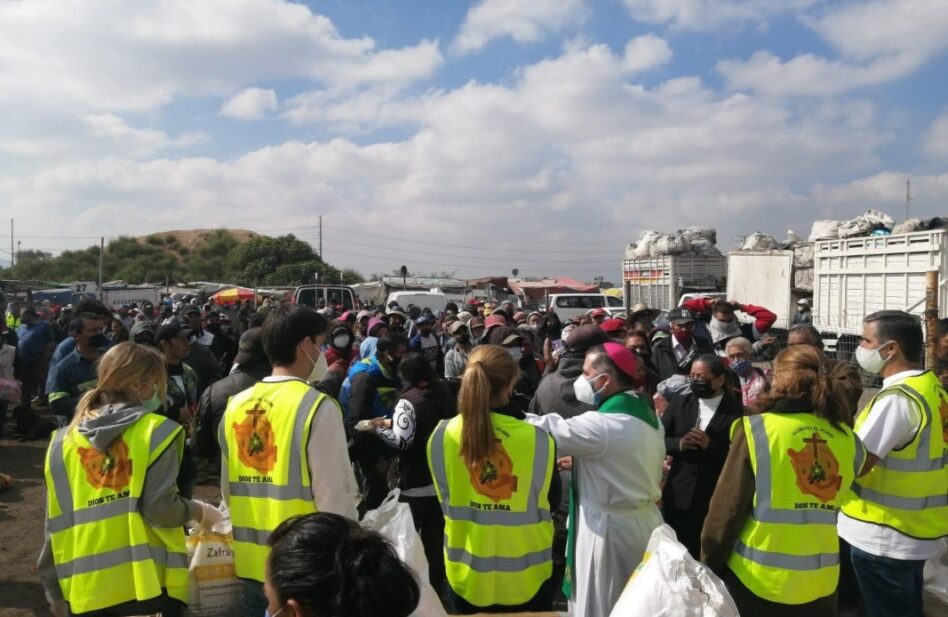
pixel 214 328
pixel 702 388
pixel 98 340
pixel 464 339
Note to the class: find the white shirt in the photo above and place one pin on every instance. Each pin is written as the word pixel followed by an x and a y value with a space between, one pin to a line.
pixel 679 349
pixel 892 423
pixel 333 483
pixel 706 409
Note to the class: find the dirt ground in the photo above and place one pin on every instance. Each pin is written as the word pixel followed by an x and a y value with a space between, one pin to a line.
pixel 21 525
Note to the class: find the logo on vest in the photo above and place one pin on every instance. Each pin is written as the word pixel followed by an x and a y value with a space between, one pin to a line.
pixel 109 469
pixel 494 478
pixel 256 445
pixel 816 468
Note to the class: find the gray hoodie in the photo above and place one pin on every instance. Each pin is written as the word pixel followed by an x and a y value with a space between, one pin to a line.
pixel 160 505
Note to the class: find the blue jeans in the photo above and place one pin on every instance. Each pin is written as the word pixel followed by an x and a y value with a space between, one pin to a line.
pixel 253 602
pixel 890 587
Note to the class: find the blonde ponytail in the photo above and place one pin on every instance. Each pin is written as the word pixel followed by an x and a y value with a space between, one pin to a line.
pixel 490 371
pixel 122 369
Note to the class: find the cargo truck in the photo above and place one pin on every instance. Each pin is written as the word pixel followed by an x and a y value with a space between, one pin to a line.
pixel 856 277
pixel 775 280
pixel 660 282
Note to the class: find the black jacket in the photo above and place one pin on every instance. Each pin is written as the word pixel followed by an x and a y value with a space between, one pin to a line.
pixel 665 361
pixel 430 408
pixel 213 403
pixel 694 473
pixel 555 393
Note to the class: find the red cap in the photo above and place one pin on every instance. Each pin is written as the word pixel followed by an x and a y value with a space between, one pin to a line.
pixel 624 359
pixel 613 325
pixel 599 312
pixel 495 320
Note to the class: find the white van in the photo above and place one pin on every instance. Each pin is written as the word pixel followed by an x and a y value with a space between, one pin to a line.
pixel 574 306
pixel 434 300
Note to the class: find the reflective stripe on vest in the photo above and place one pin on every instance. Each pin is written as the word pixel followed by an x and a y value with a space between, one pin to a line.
pixel 788 550
pixel 285 491
pixel 497 550
pixel 104 552
pixel 907 490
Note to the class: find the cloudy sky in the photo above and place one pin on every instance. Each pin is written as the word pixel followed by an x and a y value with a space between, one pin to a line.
pixel 475 137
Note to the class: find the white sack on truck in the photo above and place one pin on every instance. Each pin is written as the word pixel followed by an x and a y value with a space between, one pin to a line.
pixel 760 242
pixel 825 229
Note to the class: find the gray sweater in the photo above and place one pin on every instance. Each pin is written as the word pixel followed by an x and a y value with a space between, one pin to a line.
pixel 161 505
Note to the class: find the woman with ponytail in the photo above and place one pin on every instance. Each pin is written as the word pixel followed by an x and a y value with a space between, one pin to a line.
pixel 114 519
pixel 493 476
pixel 771 529
pixel 326 565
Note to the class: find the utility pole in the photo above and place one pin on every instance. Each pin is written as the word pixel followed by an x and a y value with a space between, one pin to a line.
pixel 101 253
pixel 12 254
pixel 908 196
pixel 321 237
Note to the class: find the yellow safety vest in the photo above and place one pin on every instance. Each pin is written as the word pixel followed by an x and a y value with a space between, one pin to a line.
pixel 498 530
pixel 908 489
pixel 788 550
pixel 105 552
pixel 264 434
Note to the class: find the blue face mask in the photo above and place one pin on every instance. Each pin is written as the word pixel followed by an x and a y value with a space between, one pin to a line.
pixel 154 403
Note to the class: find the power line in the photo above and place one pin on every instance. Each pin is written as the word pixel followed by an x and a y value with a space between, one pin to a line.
pixel 450 265
pixel 461 246
pixel 518 260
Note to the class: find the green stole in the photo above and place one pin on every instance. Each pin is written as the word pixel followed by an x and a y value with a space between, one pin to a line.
pixel 619 403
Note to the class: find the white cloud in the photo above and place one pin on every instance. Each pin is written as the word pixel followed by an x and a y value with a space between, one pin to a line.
pixel 936 142
pixel 106 55
pixel 140 141
pixel 646 52
pixel 525 21
pixel 610 158
pixel 250 104
pixel 878 41
pixel 712 14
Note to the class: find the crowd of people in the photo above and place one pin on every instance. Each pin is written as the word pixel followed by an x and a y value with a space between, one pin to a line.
pixel 536 456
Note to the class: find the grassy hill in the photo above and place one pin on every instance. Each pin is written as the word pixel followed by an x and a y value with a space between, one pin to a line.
pixel 225 255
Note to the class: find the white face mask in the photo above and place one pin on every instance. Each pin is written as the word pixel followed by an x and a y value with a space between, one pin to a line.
pixel 583 389
pixel 871 360
pixel 320 368
pixel 516 353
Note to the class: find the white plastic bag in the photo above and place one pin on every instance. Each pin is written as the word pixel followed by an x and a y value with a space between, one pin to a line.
pixel 213 586
pixel 670 583
pixel 826 229
pixel 394 522
pixel 760 242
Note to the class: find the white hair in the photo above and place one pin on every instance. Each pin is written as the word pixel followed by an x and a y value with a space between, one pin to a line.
pixel 741 342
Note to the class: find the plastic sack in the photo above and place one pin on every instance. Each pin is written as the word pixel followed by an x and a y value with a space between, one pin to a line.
pixel 670 244
pixel 213 586
pixel 670 583
pixel 10 391
pixel 643 246
pixel 908 226
pixel 865 224
pixel 394 522
pixel 935 578
pixel 825 229
pixel 760 242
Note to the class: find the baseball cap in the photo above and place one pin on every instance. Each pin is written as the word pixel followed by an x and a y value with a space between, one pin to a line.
pixel 424 320
pixel 170 331
pixel 192 310
pixel 680 315
pixel 513 337
pixel 598 312
pixel 363 314
pixel 613 325
pixel 495 320
pixel 475 322
pixel 456 326
pixel 584 338
pixel 250 349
